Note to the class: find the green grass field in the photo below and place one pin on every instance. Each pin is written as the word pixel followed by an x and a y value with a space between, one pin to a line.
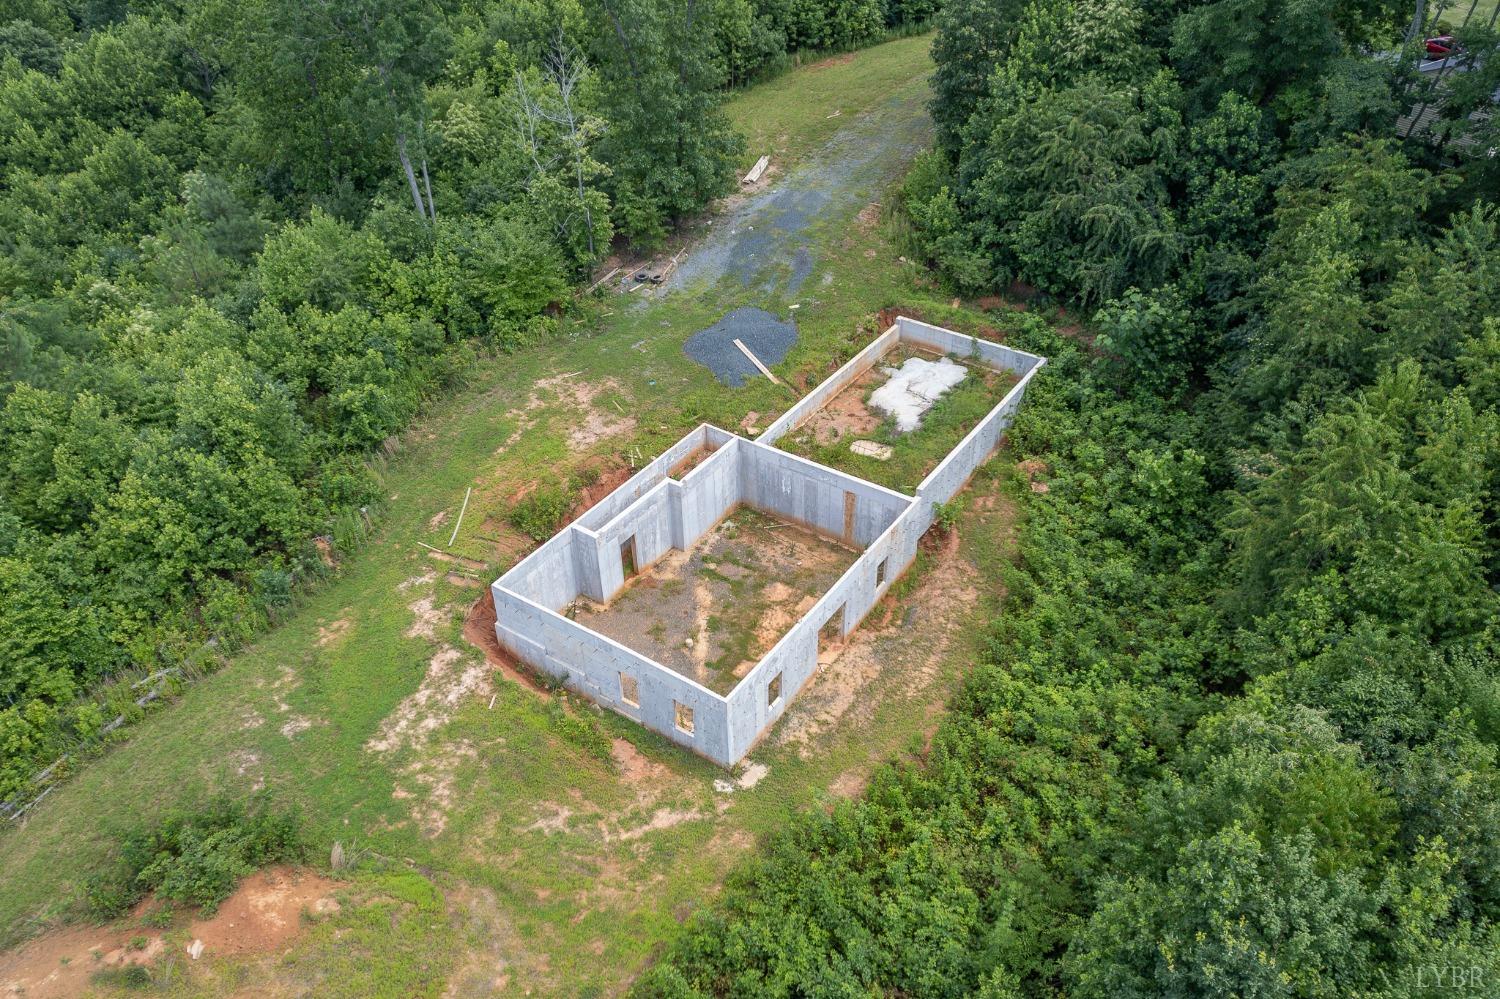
pixel 795 114
pixel 560 871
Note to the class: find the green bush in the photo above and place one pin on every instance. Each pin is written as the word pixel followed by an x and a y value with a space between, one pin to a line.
pixel 195 858
pixel 538 515
pixel 578 729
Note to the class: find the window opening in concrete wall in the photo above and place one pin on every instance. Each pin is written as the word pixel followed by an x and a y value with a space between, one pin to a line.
pixel 630 691
pixel 773 690
pixel 880 571
pixel 627 556
pixel 682 717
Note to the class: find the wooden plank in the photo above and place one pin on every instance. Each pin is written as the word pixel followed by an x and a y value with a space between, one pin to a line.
pixel 756 361
pixel 602 280
pixel 460 521
pixel 757 170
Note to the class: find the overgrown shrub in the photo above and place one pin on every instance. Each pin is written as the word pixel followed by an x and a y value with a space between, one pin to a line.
pixel 581 730
pixel 195 858
pixel 538 515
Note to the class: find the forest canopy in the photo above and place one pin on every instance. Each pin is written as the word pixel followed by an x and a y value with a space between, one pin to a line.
pixel 1235 732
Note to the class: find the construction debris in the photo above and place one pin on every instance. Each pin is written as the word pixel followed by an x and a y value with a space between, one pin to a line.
pixel 756 361
pixel 757 170
pixel 914 387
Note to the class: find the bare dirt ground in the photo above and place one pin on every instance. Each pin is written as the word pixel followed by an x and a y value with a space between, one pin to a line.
pixel 691 462
pixel 592 422
pixel 847 415
pixel 901 643
pixel 711 613
pixel 451 677
pixel 263 916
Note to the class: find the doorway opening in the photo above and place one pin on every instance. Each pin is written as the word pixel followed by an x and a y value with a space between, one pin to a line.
pixel 627 557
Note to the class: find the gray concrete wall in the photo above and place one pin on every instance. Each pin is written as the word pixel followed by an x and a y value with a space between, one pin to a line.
pixel 591 664
pixel 950 475
pixel 831 386
pixel 707 493
pixel 829 501
pixel 671 514
pixel 795 657
pixel 548 576
pixel 650 474
pixel 660 513
pixel 997 356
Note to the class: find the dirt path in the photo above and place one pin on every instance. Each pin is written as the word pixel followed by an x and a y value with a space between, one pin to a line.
pixel 764 238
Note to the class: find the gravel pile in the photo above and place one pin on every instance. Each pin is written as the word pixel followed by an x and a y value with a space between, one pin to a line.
pixel 768 337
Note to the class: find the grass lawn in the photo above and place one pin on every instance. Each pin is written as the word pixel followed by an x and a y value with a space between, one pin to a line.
pixel 564 843
pixel 794 115
pixel 827 436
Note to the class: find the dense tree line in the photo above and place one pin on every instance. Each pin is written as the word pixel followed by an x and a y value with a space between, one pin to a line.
pixel 1236 730
pixel 240 240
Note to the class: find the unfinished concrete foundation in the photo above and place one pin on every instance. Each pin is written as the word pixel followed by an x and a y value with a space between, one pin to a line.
pixel 603 605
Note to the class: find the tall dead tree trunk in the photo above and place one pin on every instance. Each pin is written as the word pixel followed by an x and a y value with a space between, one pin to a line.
pixel 411 175
pixel 427 184
pixel 566 73
pixel 1417 21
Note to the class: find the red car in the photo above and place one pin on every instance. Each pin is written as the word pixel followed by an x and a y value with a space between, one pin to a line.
pixel 1441 46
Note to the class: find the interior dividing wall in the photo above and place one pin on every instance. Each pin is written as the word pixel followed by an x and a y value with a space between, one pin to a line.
pixel 672 514
pixel 651 474
pixel 828 501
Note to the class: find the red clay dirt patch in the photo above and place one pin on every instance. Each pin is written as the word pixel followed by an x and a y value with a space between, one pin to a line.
pixel 265 912
pixel 691 462
pixel 451 559
pixel 509 544
pixel 846 416
pixel 479 631
pixel 994 303
pixel 262 916
pixel 609 480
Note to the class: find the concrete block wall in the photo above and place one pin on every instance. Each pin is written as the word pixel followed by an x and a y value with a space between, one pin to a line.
pixel 795 657
pixel 997 356
pixel 707 493
pixel 650 474
pixel 548 576
pixel 591 664
pixel 829 501
pixel 950 475
pixel 670 514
